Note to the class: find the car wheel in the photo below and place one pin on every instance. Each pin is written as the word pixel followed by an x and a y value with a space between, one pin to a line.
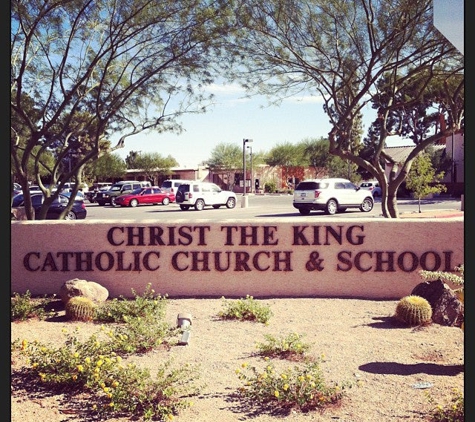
pixel 113 203
pixel 70 216
pixel 199 205
pixel 231 203
pixel 332 207
pixel 184 207
pixel 367 205
pixel 304 211
pixel 216 206
pixel 133 203
pixel 166 201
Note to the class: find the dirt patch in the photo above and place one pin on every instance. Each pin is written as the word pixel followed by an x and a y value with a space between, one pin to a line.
pixel 391 367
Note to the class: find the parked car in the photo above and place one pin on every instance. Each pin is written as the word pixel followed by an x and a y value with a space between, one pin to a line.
pixel 172 185
pixel 372 186
pixel 80 196
pixel 142 196
pixel 77 212
pixel 95 188
pixel 201 194
pixel 117 189
pixel 331 195
pixel 16 189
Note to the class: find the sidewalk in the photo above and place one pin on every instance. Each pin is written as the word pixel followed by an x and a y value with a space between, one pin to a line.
pixel 432 214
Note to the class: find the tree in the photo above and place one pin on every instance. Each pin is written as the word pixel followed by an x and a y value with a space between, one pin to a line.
pixel 317 152
pixel 82 72
pixel 383 54
pixel 422 178
pixel 108 166
pixel 153 164
pixel 290 158
pixel 226 158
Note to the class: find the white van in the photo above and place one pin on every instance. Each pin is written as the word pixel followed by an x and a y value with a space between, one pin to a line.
pixel 171 185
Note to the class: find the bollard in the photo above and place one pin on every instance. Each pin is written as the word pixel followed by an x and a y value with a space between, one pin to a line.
pixel 184 321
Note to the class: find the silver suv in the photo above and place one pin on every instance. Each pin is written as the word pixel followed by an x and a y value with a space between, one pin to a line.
pixel 201 194
pixel 331 195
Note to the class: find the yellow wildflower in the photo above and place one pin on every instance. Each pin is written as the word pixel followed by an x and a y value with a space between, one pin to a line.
pixel 276 393
pixel 80 368
pixel 24 343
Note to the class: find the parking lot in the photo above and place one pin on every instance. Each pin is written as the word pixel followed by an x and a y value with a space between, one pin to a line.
pixel 259 206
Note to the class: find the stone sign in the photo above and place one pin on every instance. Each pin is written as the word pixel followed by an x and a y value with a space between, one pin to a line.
pixel 290 257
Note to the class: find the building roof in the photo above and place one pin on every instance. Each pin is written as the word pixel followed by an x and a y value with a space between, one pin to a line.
pixel 399 154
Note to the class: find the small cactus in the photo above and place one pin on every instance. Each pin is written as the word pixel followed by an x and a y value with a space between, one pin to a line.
pixel 80 308
pixel 414 310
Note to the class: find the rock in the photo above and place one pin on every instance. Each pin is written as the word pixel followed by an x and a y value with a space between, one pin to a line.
pixel 447 309
pixel 89 289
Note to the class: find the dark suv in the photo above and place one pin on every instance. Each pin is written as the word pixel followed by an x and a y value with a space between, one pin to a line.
pixel 117 189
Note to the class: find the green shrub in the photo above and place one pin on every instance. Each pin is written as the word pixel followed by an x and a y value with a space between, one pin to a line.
pixel 452 412
pixel 94 368
pixel 247 309
pixel 302 388
pixel 23 307
pixel 146 305
pixel 284 347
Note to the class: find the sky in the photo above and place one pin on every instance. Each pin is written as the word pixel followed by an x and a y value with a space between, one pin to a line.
pixel 234 118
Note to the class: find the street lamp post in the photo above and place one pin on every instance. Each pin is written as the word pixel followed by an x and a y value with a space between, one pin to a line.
pixel 250 154
pixel 245 198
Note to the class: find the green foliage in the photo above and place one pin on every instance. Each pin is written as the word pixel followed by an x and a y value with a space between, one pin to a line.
pixel 302 388
pixel 452 412
pixel 247 309
pixel 285 347
pixel 94 367
pixel 152 164
pixel 80 308
pixel 422 178
pixel 270 186
pixel 108 166
pixel 414 310
pixel 445 276
pixel 22 307
pixel 119 309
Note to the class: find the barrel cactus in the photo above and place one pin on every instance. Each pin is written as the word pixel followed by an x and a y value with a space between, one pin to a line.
pixel 80 308
pixel 414 310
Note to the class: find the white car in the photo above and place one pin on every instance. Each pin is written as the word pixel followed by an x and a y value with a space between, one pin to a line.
pixel 372 186
pixel 331 195
pixel 202 194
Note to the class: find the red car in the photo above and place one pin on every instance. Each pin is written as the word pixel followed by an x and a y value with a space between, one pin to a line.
pixel 151 195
